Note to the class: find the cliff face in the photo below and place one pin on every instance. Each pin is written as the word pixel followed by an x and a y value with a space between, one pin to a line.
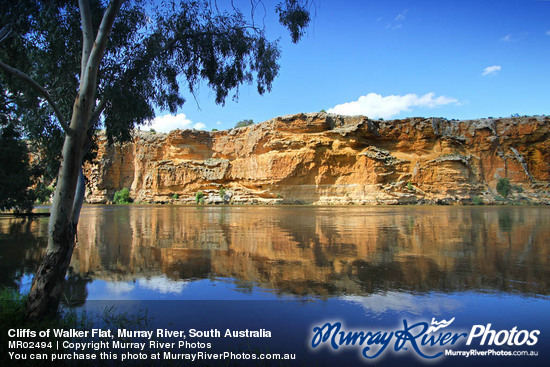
pixel 329 159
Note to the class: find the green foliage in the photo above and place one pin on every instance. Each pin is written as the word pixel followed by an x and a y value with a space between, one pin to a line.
pixel 323 111
pixel 43 193
pixel 477 200
pixel 12 316
pixel 409 186
pixel 503 187
pixel 122 197
pixel 199 197
pixel 518 189
pixel 11 311
pixel 152 51
pixel 222 193
pixel 294 16
pixel 50 54
pixel 244 123
pixel 175 197
pixel 15 173
pixel 214 129
pixel 152 131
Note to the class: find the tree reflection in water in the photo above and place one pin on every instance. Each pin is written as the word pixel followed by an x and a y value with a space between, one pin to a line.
pixel 311 251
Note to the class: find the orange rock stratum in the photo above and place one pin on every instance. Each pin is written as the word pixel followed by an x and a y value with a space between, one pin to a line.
pixel 324 158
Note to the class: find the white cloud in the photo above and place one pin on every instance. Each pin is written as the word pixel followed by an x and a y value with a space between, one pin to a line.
pixel 163 285
pixel 491 70
pixel 120 287
pixel 507 38
pixel 381 303
pixel 401 16
pixel 168 123
pixel 396 23
pixel 548 33
pixel 374 105
pixel 218 122
pixel 199 126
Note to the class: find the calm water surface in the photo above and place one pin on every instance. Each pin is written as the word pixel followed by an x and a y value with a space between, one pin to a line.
pixel 158 252
pixel 350 263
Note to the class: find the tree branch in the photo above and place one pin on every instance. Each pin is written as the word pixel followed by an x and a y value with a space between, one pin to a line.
pixel 102 37
pixel 5 32
pixel 41 90
pixel 87 32
pixel 88 78
pixel 79 197
pixel 97 111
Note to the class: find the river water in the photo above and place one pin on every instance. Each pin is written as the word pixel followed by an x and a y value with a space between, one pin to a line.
pixel 311 264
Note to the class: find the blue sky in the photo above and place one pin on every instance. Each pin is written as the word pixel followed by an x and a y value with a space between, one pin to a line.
pixel 399 58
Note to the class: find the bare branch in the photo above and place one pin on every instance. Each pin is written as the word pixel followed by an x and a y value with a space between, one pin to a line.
pixel 88 78
pixel 97 111
pixel 102 36
pixel 87 32
pixel 5 32
pixel 41 90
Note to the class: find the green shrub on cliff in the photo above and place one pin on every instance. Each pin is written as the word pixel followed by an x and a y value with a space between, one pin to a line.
pixel 122 197
pixel 503 187
pixel 517 188
pixel 477 200
pixel 199 197
pixel 244 123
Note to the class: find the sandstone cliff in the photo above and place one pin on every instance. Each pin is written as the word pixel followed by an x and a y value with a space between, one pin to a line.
pixel 330 159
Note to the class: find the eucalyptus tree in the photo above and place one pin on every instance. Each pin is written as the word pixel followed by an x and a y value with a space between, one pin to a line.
pixel 15 173
pixel 72 67
pixel 244 123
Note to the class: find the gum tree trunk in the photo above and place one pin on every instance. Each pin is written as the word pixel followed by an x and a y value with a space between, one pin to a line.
pixel 48 284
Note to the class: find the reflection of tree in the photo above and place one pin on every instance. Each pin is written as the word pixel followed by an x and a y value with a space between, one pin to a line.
pixel 319 251
pixel 505 220
pixel 76 292
pixel 22 246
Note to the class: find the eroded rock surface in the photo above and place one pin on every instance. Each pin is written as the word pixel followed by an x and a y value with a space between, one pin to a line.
pixel 324 158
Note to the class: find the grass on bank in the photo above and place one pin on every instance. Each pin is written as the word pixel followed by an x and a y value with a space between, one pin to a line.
pixel 12 306
pixel 12 316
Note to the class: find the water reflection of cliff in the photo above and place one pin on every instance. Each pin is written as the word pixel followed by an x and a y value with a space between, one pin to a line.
pixel 323 251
